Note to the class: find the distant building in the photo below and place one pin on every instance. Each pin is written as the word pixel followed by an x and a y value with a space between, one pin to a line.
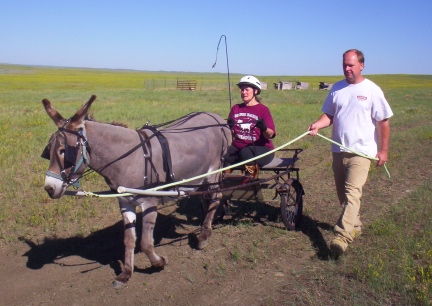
pixel 325 86
pixel 302 85
pixel 283 86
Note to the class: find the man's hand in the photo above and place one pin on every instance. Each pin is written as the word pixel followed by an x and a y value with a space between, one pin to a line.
pixel 313 129
pixel 382 158
pixel 324 121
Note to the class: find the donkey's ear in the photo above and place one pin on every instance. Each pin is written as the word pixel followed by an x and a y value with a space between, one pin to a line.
pixel 53 113
pixel 80 115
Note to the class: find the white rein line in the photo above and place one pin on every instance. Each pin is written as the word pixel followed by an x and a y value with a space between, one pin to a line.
pixel 127 192
pixel 354 152
pixel 226 168
pixel 124 191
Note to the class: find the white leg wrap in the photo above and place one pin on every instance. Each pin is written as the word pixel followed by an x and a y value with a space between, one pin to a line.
pixel 129 216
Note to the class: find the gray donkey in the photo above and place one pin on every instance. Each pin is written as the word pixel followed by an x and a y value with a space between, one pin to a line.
pixel 141 159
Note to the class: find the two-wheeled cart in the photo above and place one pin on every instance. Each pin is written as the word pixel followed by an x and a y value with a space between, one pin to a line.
pixel 281 175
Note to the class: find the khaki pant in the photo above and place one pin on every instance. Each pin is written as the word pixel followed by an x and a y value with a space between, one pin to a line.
pixel 350 174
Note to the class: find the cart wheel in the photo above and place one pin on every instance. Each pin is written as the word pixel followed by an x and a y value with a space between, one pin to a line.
pixel 292 204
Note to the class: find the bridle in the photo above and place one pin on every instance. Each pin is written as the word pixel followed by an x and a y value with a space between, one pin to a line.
pixel 70 156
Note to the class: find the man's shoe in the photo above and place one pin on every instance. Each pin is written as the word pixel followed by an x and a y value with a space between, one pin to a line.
pixel 338 247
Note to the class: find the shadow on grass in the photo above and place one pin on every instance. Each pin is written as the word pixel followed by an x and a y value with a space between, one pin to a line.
pixel 259 212
pixel 239 211
pixel 312 228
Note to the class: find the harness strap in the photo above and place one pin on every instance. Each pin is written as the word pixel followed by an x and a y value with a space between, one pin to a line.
pixel 166 154
pixel 147 157
pixel 75 183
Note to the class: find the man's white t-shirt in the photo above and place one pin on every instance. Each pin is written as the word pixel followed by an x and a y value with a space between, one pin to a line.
pixel 355 109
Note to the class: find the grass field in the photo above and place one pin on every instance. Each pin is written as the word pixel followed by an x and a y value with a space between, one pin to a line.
pixel 394 264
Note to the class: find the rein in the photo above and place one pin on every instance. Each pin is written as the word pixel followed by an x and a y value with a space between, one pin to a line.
pixel 91 194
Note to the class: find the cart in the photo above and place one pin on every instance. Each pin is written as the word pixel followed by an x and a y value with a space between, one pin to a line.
pixel 280 175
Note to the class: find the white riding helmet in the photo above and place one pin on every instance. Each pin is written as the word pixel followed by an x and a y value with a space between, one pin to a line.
pixel 250 80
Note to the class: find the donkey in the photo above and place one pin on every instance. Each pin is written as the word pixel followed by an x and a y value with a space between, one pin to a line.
pixel 192 145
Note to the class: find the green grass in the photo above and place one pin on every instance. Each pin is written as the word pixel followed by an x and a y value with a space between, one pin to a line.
pixel 399 257
pixel 392 261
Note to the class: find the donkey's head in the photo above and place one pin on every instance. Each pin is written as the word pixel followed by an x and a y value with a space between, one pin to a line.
pixel 67 150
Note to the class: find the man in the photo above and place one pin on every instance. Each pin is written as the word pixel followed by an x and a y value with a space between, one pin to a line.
pixel 360 116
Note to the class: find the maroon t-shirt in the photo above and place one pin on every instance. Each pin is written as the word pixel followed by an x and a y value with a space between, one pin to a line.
pixel 244 131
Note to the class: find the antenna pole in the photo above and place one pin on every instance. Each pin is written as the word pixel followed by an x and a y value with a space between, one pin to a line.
pixel 226 52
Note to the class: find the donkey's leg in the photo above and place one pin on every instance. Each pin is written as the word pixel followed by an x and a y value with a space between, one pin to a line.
pixel 209 209
pixel 129 220
pixel 149 215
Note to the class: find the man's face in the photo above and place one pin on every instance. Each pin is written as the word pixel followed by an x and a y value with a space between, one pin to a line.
pixel 352 68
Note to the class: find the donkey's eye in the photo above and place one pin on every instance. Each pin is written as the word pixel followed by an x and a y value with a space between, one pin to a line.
pixel 62 152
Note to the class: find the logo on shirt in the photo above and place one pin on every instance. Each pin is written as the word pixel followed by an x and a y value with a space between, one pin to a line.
pixel 361 98
pixel 245 127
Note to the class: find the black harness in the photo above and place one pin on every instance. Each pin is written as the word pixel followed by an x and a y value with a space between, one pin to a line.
pixel 166 154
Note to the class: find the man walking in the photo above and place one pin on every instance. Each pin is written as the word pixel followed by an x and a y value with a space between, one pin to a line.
pixel 360 116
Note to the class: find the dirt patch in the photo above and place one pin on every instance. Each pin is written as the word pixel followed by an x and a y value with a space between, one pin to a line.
pixel 251 259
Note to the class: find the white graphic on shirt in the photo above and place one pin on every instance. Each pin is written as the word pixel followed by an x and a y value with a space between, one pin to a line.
pixel 246 130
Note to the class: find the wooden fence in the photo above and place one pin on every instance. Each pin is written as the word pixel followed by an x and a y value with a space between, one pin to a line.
pixel 187 85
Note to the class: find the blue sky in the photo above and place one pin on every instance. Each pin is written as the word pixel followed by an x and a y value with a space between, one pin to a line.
pixel 263 37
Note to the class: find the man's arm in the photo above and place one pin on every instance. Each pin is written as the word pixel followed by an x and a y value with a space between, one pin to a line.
pixel 384 137
pixel 324 121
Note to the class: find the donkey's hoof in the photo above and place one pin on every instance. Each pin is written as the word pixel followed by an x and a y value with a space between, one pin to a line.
pixel 121 280
pixel 165 260
pixel 160 264
pixel 202 244
pixel 117 284
pixel 203 238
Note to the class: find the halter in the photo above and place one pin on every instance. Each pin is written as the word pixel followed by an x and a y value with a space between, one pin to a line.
pixel 70 156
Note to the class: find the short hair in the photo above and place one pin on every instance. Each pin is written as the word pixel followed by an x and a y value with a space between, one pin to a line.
pixel 360 55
